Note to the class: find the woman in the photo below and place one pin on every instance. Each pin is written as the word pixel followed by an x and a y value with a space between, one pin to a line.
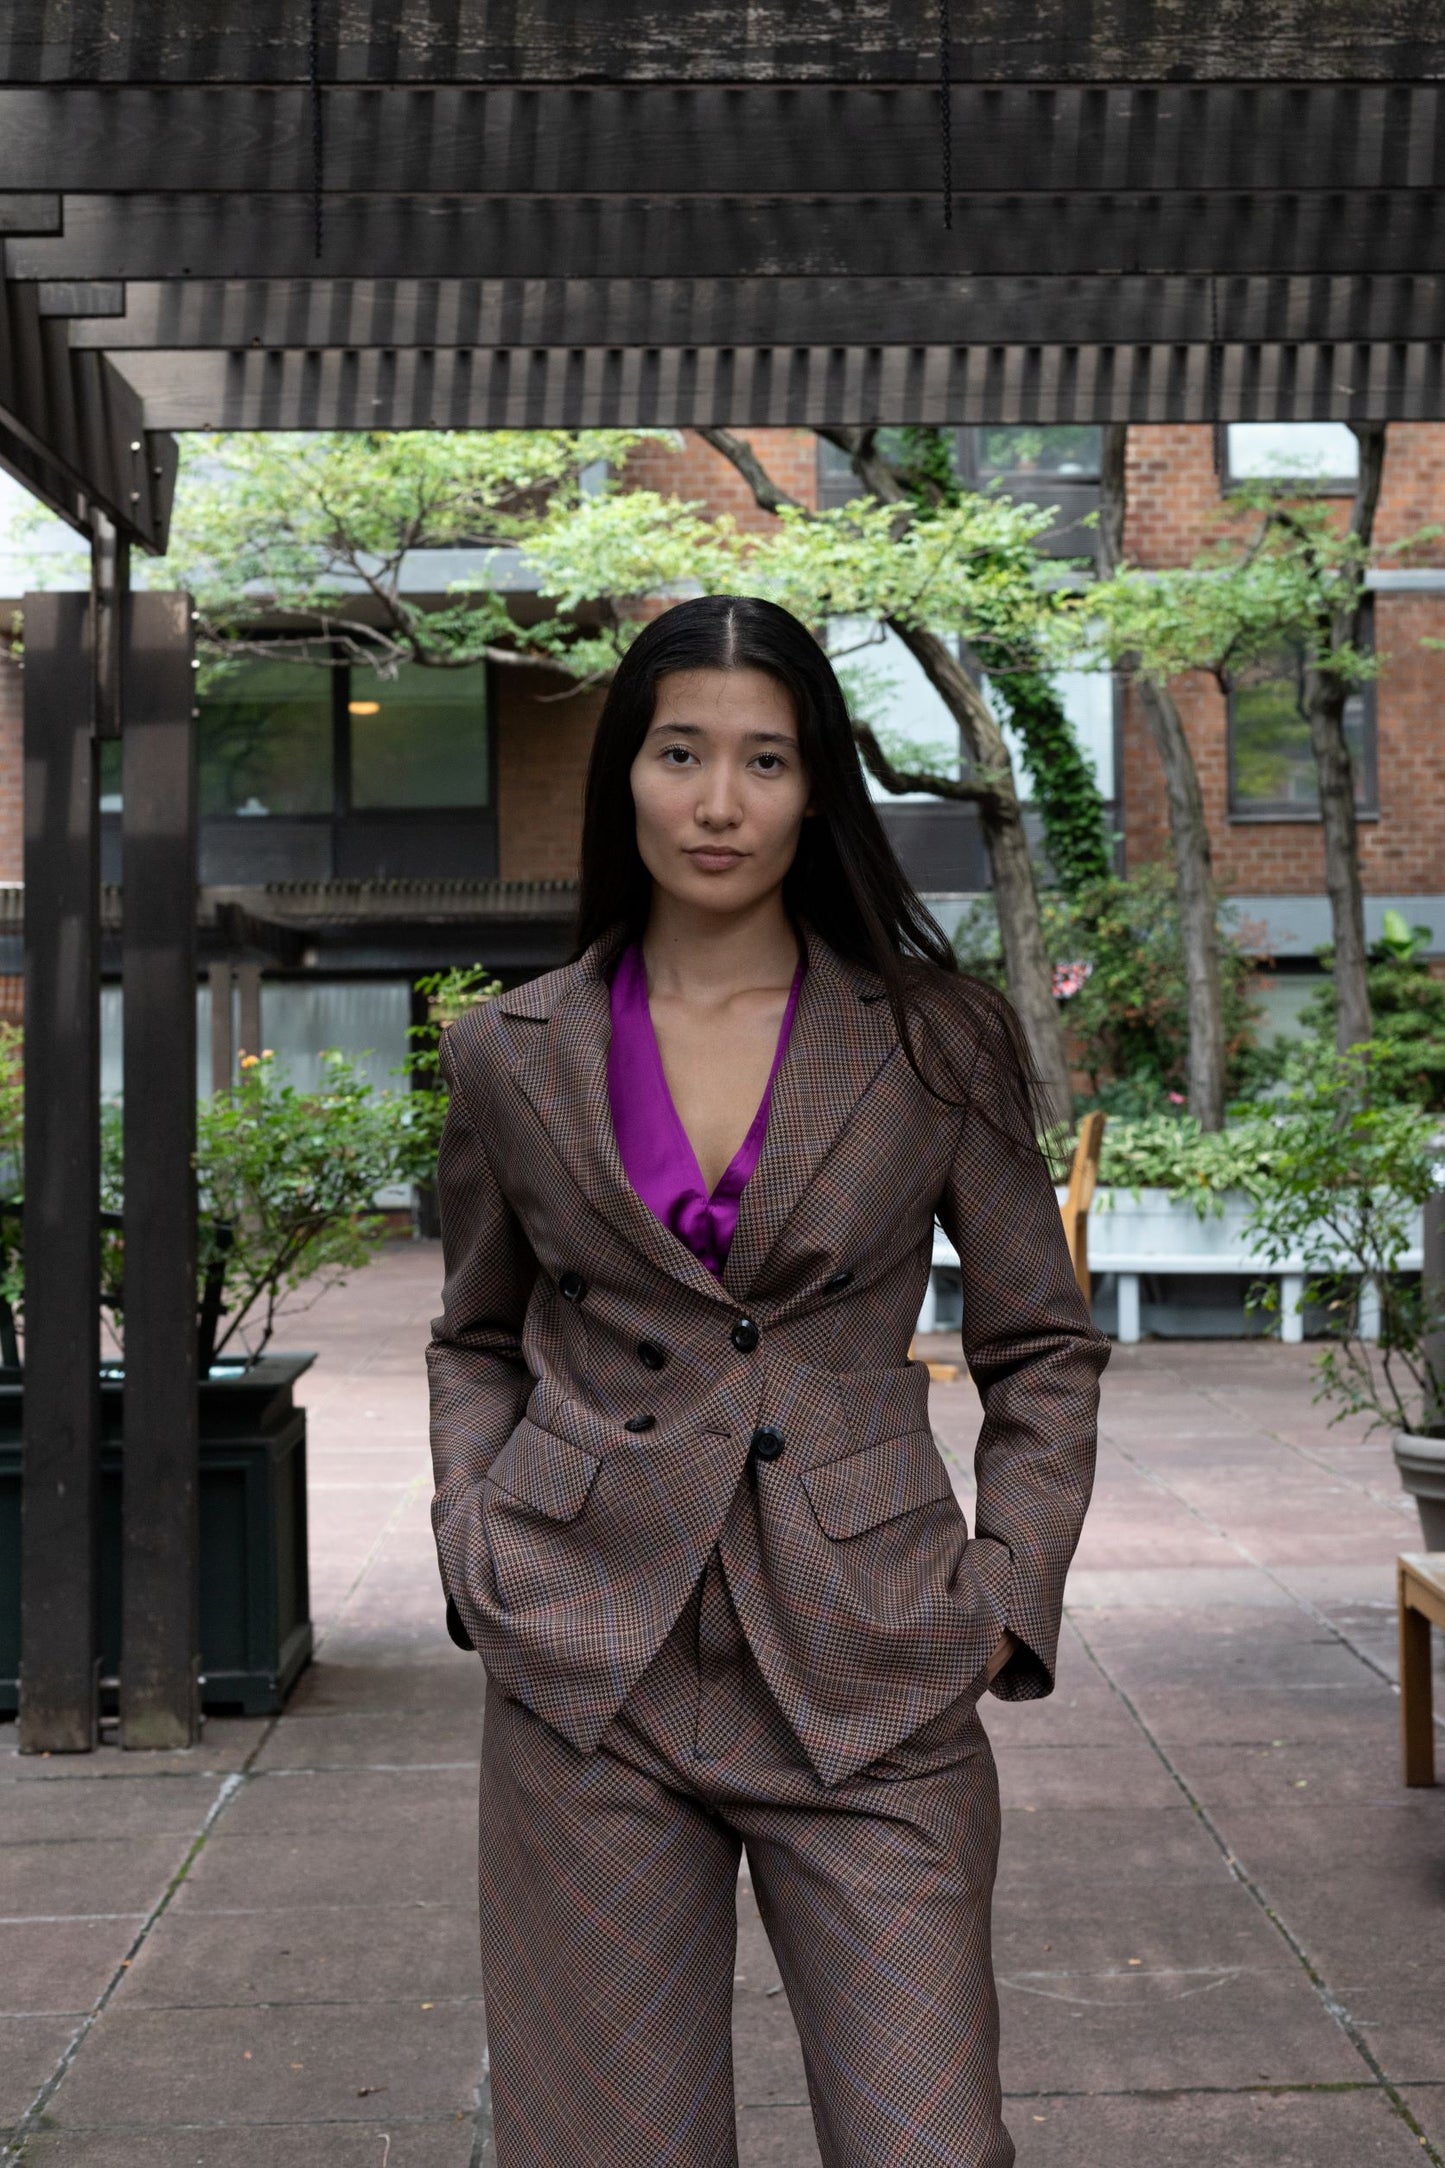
pixel 688 1505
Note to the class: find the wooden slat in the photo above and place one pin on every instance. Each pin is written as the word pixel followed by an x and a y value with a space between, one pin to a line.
pixel 158 237
pixel 267 41
pixel 677 387
pixel 647 139
pixel 1018 311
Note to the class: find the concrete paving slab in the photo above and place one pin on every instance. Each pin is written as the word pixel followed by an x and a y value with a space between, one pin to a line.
pixel 1200 2130
pixel 1118 1929
pixel 1083 1776
pixel 288 1872
pixel 54 1967
pixel 125 1874
pixel 135 1805
pixel 30 2047
pixel 362 1952
pixel 253 2067
pixel 1150 2028
pixel 442 2144
pixel 310 1740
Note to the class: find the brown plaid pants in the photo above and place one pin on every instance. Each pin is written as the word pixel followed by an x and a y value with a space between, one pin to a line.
pixel 608 1886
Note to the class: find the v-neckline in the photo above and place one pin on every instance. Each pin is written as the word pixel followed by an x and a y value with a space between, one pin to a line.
pixel 735 1176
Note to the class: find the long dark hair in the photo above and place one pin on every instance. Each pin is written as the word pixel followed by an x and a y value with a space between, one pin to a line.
pixel 844 881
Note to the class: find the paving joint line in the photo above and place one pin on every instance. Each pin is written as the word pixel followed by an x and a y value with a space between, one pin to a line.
pixel 1329 2001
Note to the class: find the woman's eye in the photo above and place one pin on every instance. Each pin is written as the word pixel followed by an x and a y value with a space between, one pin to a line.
pixel 771 763
pixel 676 755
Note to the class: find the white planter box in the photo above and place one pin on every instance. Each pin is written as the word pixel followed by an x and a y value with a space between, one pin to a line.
pixel 1151 1232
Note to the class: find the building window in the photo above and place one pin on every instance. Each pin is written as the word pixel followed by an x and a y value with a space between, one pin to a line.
pixel 419 739
pixel 287 738
pixel 1021 453
pixel 1323 456
pixel 1271 763
pixel 265 740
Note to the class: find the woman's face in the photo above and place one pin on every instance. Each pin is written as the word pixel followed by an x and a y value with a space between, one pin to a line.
pixel 720 788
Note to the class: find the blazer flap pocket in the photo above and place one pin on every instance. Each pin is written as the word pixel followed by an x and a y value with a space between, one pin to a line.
pixel 899 1475
pixel 544 1473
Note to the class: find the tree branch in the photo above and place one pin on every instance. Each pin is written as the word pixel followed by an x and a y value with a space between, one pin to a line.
pixel 966 790
pixel 769 495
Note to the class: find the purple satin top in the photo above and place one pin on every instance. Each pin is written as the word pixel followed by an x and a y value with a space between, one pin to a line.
pixel 656 1156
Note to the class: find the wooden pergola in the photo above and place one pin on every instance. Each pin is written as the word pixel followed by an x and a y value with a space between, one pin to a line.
pixel 363 214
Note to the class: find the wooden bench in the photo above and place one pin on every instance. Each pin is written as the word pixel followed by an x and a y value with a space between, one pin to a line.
pixel 1421 1581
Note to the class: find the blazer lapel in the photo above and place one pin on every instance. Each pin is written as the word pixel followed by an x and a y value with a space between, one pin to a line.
pixel 842 1034
pixel 561 1067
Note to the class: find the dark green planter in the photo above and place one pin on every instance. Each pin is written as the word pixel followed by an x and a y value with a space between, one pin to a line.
pixel 255 1600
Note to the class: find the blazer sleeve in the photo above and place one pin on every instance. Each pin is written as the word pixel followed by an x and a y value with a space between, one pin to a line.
pixel 477 1372
pixel 1033 1354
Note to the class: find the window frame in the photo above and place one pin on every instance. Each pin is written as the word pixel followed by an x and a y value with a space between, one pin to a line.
pixel 1367 801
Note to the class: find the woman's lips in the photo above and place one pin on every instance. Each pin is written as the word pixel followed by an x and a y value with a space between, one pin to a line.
pixel 720 860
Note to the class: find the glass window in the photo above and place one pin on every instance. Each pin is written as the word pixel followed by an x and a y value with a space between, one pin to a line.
pixel 1071 451
pixel 1324 453
pixel 1271 763
pixel 264 739
pixel 419 739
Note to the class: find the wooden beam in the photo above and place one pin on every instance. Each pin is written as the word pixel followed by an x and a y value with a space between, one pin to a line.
pixel 80 417
pixel 160 1578
pixel 60 1458
pixel 687 40
pixel 1324 232
pixel 657 140
pixel 1120 310
pixel 671 387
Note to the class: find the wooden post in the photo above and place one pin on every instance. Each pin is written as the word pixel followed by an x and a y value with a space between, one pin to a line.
pixel 160 1581
pixel 223 1034
pixel 248 982
pixel 60 1458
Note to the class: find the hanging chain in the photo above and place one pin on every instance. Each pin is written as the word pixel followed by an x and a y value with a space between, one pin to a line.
pixel 945 103
pixel 317 141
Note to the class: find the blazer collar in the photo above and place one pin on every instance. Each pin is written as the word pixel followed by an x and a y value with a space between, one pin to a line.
pixel 842 1033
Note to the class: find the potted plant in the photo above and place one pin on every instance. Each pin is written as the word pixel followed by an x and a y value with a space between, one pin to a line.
pixel 286 1183
pixel 1350 1172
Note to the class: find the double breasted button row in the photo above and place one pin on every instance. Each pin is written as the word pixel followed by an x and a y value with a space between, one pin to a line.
pixel 767 1443
pixel 745 1336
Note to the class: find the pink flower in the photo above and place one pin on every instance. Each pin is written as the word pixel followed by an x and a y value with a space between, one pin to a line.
pixel 1068 978
pixel 1176 1099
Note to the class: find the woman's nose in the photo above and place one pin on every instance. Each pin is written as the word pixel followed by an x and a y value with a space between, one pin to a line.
pixel 718 804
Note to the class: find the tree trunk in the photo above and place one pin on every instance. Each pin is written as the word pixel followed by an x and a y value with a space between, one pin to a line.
pixel 1188 830
pixel 1020 924
pixel 1325 695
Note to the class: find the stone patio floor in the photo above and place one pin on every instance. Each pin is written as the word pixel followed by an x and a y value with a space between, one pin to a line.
pixel 1220 1919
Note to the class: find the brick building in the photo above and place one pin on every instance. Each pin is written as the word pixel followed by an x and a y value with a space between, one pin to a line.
pixel 355 835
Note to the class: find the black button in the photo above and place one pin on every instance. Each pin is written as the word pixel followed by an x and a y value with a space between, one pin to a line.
pixel 640 1422
pixel 839 1281
pixel 767 1443
pixel 745 1336
pixel 650 1355
pixel 571 1287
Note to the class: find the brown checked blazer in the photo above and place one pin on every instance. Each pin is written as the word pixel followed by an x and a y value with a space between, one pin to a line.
pixel 604 1411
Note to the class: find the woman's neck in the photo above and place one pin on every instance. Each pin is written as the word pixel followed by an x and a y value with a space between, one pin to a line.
pixel 707 956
